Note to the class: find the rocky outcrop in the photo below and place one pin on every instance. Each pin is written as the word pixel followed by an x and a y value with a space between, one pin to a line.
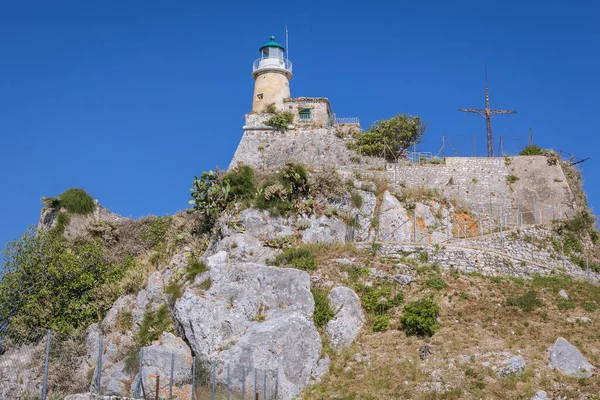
pixel 567 359
pixel 78 223
pixel 157 363
pixel 21 371
pixel 254 316
pixel 349 318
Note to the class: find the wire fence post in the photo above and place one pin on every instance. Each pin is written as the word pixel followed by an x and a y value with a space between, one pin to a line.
pixel 276 383
pixel 255 388
pixel 480 227
pixel 501 229
pixel 193 377
pixel 459 190
pixel 99 373
pixel 243 382
pixel 171 376
pixel 265 386
pixel 415 228
pixel 227 384
pixel 534 218
pixel 587 267
pixel 519 216
pixel 214 379
pixel 45 384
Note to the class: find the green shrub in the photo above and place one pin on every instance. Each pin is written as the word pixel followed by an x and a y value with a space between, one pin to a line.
pixel 241 182
pixel 77 201
pixel 356 200
pixel 156 231
pixel 124 321
pixel 62 221
pixel 381 323
pixel 435 282
pixel 174 291
pixel 590 306
pixel 527 302
pixel 327 183
pixel 301 258
pixel 323 311
pixel 388 138
pixel 132 361
pixel 280 192
pixel 532 150
pixel 420 317
pixel 48 284
pixel 564 304
pixel 512 178
pixel 271 108
pixel 280 121
pixel 153 325
pixel 194 268
pixel 379 300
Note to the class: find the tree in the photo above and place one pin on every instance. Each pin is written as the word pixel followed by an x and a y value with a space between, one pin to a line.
pixel 389 138
pixel 48 284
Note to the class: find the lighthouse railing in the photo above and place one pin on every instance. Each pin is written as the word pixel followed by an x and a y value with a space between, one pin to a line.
pixel 265 63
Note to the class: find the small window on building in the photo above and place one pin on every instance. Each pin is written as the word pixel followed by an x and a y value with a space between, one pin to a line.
pixel 259 96
pixel 305 115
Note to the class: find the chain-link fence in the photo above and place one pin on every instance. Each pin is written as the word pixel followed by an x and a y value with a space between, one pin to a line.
pixel 52 365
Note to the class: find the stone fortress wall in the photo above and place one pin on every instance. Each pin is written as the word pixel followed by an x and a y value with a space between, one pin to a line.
pixel 525 189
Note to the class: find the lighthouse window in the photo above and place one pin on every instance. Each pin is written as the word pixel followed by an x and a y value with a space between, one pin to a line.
pixel 305 114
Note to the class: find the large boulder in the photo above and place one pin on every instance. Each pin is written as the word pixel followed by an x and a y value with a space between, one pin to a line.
pixel 324 230
pixel 394 223
pixel 567 359
pixel 157 363
pixel 256 317
pixel 349 318
pixel 21 370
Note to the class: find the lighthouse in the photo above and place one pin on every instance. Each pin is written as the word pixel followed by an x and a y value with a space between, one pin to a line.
pixel 272 73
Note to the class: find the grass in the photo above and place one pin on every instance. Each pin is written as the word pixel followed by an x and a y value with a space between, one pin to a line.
pixel 153 325
pixel 301 258
pixel 356 200
pixel 435 282
pixel 474 319
pixel 323 312
pixel 194 268
pixel 527 302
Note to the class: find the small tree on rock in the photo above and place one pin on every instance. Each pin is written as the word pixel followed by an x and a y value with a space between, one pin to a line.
pixel 389 138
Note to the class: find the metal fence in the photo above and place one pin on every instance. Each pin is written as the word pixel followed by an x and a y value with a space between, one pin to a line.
pixel 52 365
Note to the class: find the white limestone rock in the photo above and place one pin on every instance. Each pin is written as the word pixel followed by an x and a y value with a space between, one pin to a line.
pixel 349 318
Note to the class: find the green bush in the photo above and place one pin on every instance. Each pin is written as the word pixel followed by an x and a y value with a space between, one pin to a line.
pixel 280 192
pixel 323 311
pixel 356 200
pixel 62 221
pixel 327 183
pixel 420 317
pixel 301 258
pixel 280 121
pixel 590 306
pixel 153 325
pixel 512 178
pixel 156 231
pixel 564 304
pixel 124 321
pixel 241 182
pixel 379 300
pixel 527 302
pixel 435 282
pixel 388 138
pixel 532 150
pixel 381 323
pixel 46 283
pixel 77 201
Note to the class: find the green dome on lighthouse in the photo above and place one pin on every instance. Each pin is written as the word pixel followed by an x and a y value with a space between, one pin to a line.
pixel 271 43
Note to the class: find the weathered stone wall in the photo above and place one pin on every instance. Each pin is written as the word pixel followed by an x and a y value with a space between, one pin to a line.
pixel 265 148
pixel 484 184
pixel 520 255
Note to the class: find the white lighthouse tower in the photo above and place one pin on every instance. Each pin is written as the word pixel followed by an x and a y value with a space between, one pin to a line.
pixel 272 73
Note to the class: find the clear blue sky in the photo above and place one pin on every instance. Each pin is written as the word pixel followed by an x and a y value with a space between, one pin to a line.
pixel 131 99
